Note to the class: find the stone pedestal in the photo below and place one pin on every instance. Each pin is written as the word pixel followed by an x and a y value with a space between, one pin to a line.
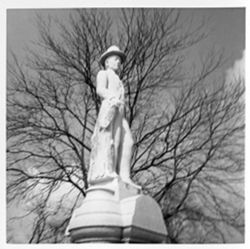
pixel 117 212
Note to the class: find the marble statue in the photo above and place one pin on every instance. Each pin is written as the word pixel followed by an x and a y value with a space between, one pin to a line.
pixel 114 209
pixel 112 139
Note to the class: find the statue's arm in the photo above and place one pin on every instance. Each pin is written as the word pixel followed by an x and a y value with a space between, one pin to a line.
pixel 102 85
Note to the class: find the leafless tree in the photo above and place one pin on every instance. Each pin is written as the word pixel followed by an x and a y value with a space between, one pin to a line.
pixel 188 128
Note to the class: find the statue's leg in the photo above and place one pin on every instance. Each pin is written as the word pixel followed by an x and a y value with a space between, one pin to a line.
pixel 125 151
pixel 117 131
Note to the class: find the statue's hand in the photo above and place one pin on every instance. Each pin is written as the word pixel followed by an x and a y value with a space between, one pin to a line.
pixel 108 110
pixel 116 101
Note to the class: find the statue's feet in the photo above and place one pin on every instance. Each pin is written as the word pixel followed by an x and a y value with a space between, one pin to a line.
pixel 109 177
pixel 130 182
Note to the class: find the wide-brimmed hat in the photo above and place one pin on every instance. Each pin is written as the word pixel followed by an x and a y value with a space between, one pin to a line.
pixel 113 50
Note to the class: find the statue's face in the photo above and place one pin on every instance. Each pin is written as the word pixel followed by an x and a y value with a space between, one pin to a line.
pixel 113 62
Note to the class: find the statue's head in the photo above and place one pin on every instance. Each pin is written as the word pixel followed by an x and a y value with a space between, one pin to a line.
pixel 112 58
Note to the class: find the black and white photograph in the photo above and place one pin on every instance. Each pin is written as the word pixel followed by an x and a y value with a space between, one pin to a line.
pixel 125 124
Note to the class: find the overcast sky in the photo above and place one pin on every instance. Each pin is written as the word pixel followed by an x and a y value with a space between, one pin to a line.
pixel 227 28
